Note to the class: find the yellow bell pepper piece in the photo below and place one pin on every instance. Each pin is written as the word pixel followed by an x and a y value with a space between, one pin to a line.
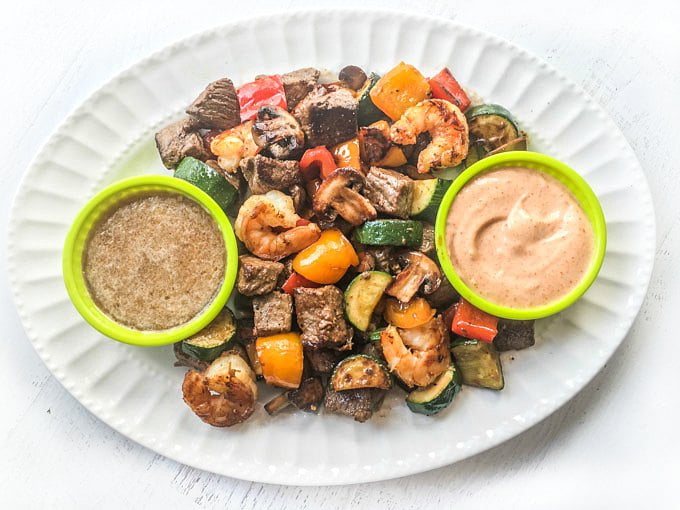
pixel 399 89
pixel 347 154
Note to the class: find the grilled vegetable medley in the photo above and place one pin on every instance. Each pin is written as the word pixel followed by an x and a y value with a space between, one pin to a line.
pixel 333 187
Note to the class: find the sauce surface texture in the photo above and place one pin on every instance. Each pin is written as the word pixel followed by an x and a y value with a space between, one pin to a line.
pixel 155 261
pixel 518 237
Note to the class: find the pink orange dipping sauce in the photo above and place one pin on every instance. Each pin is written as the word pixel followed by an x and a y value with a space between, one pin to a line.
pixel 518 237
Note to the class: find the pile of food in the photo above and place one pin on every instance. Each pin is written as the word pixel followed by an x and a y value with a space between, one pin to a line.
pixel 334 186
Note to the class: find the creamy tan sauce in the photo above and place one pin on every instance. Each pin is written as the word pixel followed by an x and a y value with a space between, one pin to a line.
pixel 155 262
pixel 518 237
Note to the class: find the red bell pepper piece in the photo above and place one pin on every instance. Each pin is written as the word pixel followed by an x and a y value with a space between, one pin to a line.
pixel 318 160
pixel 445 86
pixel 471 322
pixel 267 90
pixel 296 280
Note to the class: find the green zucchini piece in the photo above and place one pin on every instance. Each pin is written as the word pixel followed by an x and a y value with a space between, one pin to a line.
pixel 360 371
pixel 437 396
pixel 362 296
pixel 427 195
pixel 367 112
pixel 490 126
pixel 478 362
pixel 213 339
pixel 390 233
pixel 206 178
pixel 374 336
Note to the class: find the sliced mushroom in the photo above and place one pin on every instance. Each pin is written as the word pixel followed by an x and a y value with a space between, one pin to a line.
pixel 277 131
pixel 339 194
pixel 352 77
pixel 419 270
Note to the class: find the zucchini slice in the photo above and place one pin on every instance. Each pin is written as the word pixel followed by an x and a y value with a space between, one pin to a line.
pixel 478 362
pixel 437 396
pixel 490 126
pixel 427 195
pixel 213 339
pixel 367 112
pixel 390 233
pixel 362 296
pixel 360 371
pixel 202 176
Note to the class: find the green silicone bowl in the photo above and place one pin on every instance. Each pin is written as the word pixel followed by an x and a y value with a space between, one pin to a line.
pixel 578 187
pixel 78 234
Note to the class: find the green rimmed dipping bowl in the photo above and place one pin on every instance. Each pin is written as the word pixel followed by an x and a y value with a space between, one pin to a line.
pixel 98 207
pixel 578 187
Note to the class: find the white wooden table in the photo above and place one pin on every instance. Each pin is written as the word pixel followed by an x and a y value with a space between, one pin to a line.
pixel 614 445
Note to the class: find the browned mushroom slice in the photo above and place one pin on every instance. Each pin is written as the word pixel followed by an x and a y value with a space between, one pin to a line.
pixel 278 132
pixel 419 270
pixel 339 192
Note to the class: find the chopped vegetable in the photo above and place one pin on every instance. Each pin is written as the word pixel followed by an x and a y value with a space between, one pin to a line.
pixel 281 359
pixel 267 90
pixel 471 322
pixel 296 280
pixel 427 195
pixel 204 177
pixel 360 371
pixel 408 315
pixel 339 194
pixel 490 127
pixel 317 162
pixel 420 270
pixel 390 233
pixel 479 363
pixel 445 86
pixel 347 154
pixel 362 296
pixel 437 396
pixel 213 339
pixel 367 111
pixel 326 260
pixel 401 87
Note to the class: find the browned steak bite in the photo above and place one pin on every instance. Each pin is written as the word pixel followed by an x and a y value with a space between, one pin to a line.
pixel 514 335
pixel 328 118
pixel 273 313
pixel 297 84
pixel 178 140
pixel 217 106
pixel 256 276
pixel 265 174
pixel 389 191
pixel 320 317
pixel 322 361
pixel 358 404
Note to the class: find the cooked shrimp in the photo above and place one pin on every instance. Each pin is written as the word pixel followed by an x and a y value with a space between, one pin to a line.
pixel 234 144
pixel 224 394
pixel 417 355
pixel 267 225
pixel 447 126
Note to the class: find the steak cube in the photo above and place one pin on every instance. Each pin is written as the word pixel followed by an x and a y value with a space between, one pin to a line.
pixel 514 335
pixel 328 118
pixel 217 106
pixel 389 191
pixel 256 276
pixel 297 84
pixel 273 313
pixel 359 404
pixel 266 174
pixel 322 361
pixel 178 140
pixel 320 317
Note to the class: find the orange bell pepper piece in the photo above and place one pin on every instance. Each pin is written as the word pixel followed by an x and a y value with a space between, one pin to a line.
pixel 471 322
pixel 347 154
pixel 281 359
pixel 326 260
pixel 408 315
pixel 399 89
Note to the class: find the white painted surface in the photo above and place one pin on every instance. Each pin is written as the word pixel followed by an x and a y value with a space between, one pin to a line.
pixel 612 445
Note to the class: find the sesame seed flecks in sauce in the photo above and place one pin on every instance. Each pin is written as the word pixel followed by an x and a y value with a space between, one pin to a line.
pixel 155 261
pixel 518 237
